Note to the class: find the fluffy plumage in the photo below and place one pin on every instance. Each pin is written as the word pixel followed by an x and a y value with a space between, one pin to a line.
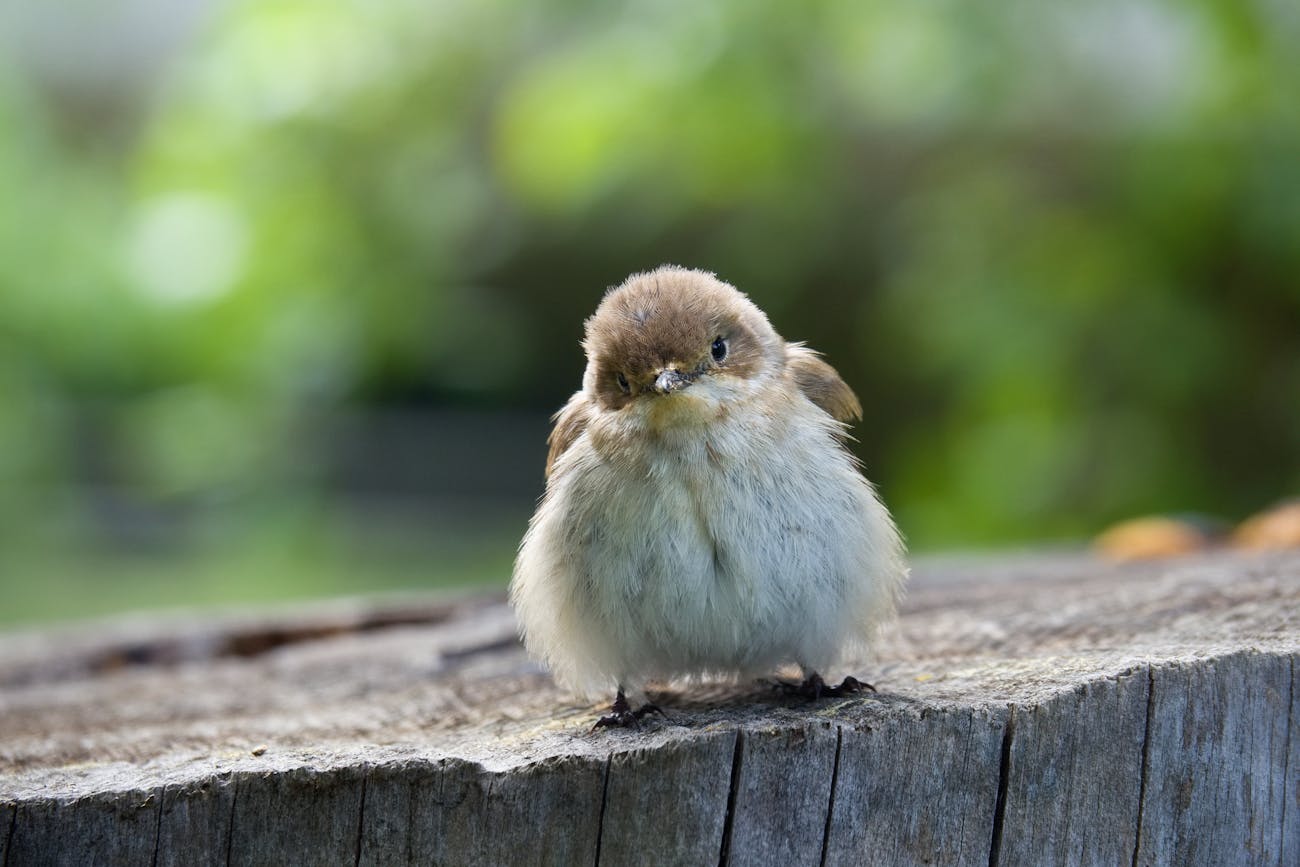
pixel 702 516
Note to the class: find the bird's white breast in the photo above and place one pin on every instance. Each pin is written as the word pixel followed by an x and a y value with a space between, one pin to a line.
pixel 728 548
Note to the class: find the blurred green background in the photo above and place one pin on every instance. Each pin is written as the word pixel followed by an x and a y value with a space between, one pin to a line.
pixel 289 287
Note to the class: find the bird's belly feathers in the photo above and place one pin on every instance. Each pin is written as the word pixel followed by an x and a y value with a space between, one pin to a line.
pixel 717 561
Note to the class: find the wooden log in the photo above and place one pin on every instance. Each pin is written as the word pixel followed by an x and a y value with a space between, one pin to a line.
pixel 917 785
pixel 1032 710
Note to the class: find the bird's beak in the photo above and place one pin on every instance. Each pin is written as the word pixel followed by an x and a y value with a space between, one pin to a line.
pixel 670 380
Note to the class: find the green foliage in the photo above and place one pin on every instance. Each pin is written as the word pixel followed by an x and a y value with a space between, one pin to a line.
pixel 1055 246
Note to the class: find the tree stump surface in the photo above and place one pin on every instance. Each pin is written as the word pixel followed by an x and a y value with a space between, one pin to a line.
pixel 1032 709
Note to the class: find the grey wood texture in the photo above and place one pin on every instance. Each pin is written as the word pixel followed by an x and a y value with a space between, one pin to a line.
pixel 1291 786
pixel 1035 709
pixel 917 786
pixel 1092 734
pixel 1218 775
pixel 781 792
pixel 196 818
pixel 456 812
pixel 668 804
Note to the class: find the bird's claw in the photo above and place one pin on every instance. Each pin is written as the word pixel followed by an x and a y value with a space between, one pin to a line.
pixel 618 719
pixel 814 688
pixel 625 717
pixel 848 686
pixel 621 714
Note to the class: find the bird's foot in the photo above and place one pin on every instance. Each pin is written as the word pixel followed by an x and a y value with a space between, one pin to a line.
pixel 848 686
pixel 621 714
pixel 814 688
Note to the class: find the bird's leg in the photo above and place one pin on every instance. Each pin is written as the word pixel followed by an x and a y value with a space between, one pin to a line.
pixel 622 715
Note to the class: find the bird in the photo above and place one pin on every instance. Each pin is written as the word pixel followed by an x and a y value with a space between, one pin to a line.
pixel 703 516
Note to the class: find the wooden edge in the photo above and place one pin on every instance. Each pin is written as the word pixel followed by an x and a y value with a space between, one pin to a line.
pixel 1153 755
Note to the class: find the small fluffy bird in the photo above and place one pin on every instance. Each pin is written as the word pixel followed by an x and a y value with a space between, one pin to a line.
pixel 702 516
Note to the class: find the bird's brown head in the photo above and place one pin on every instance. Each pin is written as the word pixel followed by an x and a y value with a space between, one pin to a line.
pixel 676 332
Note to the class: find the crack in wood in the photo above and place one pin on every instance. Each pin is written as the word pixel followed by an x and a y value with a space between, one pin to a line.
pixel 830 806
pixel 157 830
pixel 230 827
pixel 1286 765
pixel 496 645
pixel 967 747
pixel 729 821
pixel 1146 764
pixel 1004 774
pixel 361 818
pixel 9 837
pixel 257 641
pixel 604 800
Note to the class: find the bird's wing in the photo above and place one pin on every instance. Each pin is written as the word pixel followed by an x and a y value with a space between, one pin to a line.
pixel 821 383
pixel 570 422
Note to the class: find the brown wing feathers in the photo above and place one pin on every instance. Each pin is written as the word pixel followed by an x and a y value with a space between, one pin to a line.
pixel 822 384
pixel 569 424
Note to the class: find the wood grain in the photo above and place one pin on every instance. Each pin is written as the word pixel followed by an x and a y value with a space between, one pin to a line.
pixel 1216 788
pixel 917 786
pixel 1044 709
pixel 667 804
pixel 1074 775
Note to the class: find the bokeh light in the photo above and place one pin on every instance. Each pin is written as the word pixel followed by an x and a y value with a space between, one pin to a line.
pixel 289 287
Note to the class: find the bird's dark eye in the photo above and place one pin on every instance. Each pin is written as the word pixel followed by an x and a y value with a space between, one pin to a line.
pixel 623 384
pixel 719 348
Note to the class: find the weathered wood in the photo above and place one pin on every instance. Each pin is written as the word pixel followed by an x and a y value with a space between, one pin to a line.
pixel 667 804
pixel 1074 775
pixel 1045 710
pixel 456 812
pixel 1216 787
pixel 106 828
pixel 196 823
pixel 7 816
pixel 780 794
pixel 297 815
pixel 1291 771
pixel 918 785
